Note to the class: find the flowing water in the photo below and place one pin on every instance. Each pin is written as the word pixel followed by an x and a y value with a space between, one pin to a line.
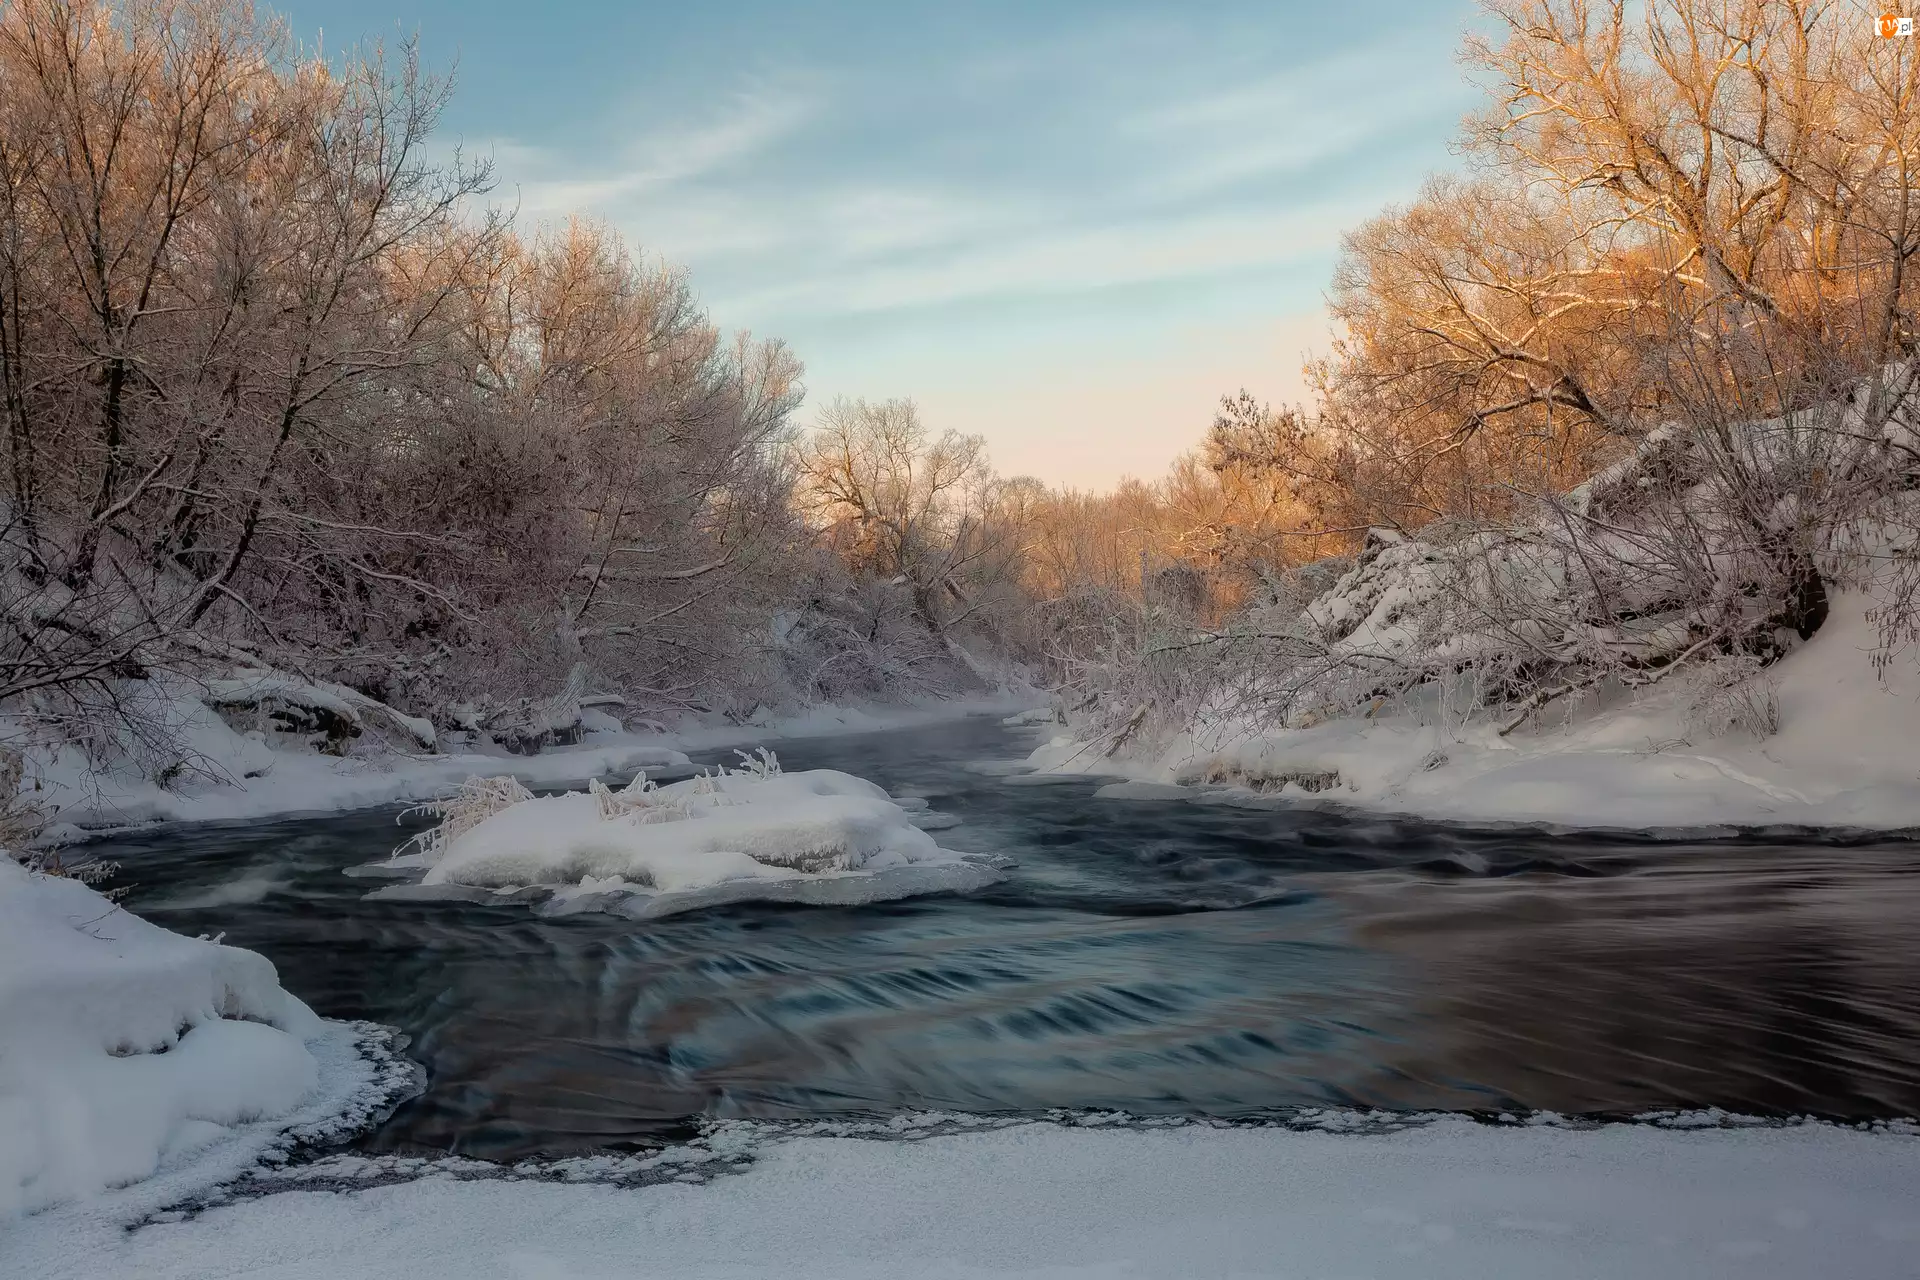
pixel 1150 956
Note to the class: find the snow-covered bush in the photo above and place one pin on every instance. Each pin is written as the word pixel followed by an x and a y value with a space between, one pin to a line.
pixel 1737 698
pixel 477 800
pixel 1709 544
pixel 20 818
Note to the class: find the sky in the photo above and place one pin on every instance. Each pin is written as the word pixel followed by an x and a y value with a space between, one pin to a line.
pixel 1069 227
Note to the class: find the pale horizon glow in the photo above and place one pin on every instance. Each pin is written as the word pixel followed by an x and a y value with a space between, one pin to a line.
pixel 1069 228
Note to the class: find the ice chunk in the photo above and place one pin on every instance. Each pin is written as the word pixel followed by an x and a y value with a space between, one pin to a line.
pixel 838 891
pixel 929 820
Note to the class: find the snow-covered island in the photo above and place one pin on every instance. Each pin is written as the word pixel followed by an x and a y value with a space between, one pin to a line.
pixel 752 833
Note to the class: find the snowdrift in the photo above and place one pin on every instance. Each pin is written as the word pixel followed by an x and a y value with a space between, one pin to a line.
pixel 734 835
pixel 1087 1198
pixel 124 1046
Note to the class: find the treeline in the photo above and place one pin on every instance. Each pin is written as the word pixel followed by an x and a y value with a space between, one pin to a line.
pixel 1686 211
pixel 283 393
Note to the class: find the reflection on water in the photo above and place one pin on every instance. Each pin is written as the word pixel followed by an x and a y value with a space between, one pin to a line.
pixel 1761 980
pixel 1155 956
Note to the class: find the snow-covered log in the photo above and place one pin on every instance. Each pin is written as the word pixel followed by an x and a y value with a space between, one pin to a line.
pixel 531 724
pixel 330 716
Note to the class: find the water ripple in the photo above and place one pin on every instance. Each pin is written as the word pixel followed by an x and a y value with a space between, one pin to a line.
pixel 1154 957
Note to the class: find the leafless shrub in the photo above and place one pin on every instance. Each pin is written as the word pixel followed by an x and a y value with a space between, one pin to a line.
pixel 476 800
pixel 1738 699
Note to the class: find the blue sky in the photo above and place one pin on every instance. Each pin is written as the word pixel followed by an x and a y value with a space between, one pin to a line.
pixel 1066 226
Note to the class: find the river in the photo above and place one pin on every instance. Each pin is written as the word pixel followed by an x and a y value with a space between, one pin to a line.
pixel 1148 956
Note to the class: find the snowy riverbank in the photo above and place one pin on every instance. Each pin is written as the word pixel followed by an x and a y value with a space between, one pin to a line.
pixel 1846 754
pixel 239 778
pixel 1452 1198
pixel 131 1056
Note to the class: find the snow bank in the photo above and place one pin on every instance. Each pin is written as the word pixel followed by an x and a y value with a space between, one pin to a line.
pixel 223 775
pixel 124 1046
pixel 227 776
pixel 1846 755
pixel 749 833
pixel 1452 1200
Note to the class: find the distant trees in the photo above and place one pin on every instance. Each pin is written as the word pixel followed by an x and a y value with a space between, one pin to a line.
pixel 899 503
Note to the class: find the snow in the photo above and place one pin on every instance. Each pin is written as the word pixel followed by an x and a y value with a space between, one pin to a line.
pixel 753 833
pixel 1846 755
pixel 222 775
pixel 239 778
pixel 1451 1198
pixel 123 1046
pixel 259 687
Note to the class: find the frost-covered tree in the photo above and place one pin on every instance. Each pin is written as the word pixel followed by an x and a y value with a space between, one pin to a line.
pixel 282 395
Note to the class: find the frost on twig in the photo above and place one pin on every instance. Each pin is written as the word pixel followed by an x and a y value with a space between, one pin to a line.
pixel 476 800
pixel 762 763
pixel 639 801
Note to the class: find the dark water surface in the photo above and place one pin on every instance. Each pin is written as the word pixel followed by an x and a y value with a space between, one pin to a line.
pixel 1152 956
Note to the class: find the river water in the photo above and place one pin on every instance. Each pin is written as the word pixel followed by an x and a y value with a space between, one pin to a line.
pixel 1154 957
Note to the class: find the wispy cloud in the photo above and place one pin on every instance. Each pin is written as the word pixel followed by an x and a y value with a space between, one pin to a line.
pixel 1287 122
pixel 854 199
pixel 1063 259
pixel 658 156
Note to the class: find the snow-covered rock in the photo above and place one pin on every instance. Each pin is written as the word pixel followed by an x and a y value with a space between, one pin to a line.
pixel 123 1045
pixel 749 833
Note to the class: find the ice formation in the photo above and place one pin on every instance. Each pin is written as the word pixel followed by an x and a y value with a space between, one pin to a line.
pixel 753 832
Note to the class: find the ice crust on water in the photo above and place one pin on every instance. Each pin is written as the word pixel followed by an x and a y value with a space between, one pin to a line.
pixel 929 820
pixel 848 890
pixel 748 834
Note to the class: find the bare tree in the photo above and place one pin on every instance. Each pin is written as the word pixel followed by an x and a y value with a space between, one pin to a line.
pixel 902 504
